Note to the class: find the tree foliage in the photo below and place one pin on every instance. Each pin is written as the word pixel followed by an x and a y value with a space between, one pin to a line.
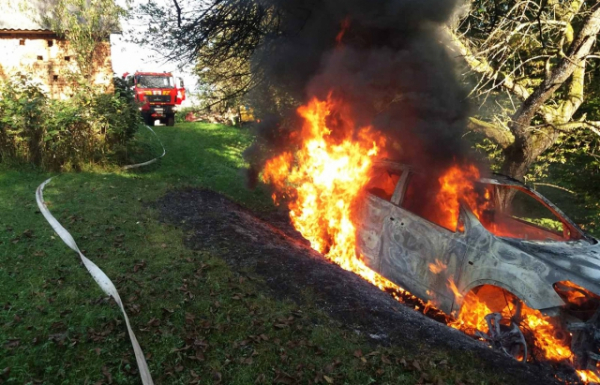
pixel 534 70
pixel 89 126
pixel 85 24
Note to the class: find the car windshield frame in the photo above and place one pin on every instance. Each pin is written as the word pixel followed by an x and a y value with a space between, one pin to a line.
pixel 575 233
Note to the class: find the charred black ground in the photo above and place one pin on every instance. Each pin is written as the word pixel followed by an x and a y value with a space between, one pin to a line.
pixel 271 248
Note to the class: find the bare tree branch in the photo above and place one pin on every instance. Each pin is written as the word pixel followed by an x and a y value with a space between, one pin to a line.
pixel 556 187
pixel 578 51
pixel 594 127
pixel 482 66
pixel 529 49
pixel 178 8
pixel 497 133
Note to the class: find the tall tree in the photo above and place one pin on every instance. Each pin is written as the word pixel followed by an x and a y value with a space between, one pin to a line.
pixel 533 59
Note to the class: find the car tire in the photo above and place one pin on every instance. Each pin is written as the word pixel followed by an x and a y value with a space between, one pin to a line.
pixel 148 120
pixel 171 120
pixel 506 338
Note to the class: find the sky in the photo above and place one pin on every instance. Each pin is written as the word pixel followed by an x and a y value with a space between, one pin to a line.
pixel 129 57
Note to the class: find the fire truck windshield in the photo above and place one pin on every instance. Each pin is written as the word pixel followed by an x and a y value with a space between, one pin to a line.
pixel 155 81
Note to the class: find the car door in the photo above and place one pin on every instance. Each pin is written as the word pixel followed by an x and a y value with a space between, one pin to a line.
pixel 416 253
pixel 372 209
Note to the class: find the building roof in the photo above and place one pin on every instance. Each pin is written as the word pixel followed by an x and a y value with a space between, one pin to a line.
pixel 24 15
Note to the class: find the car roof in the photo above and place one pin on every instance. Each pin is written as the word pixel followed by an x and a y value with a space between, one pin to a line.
pixel 497 179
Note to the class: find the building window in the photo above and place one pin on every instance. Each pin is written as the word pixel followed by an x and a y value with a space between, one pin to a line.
pixel 22 42
pixel 50 43
pixel 55 78
pixel 40 57
pixel 67 58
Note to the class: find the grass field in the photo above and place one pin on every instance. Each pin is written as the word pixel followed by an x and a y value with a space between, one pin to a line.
pixel 197 321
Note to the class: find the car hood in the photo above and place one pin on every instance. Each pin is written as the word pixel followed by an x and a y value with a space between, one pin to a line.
pixel 575 261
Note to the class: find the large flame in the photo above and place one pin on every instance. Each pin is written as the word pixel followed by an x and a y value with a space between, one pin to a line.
pixel 323 179
pixel 325 176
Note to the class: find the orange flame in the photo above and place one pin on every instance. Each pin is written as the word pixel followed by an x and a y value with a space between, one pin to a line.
pixel 588 376
pixel 340 35
pixel 455 184
pixel 437 267
pixel 454 289
pixel 326 176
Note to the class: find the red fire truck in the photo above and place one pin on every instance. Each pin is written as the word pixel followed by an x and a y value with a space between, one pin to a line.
pixel 159 93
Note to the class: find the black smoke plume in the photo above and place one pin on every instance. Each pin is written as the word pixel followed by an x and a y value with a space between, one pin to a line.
pixel 391 67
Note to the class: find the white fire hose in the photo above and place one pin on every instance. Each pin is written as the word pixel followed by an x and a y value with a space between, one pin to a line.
pixel 99 276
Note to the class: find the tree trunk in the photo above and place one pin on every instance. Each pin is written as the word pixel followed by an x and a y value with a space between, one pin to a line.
pixel 522 153
pixel 517 160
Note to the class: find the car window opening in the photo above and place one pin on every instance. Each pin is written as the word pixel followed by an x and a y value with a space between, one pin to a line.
pixel 422 198
pixel 521 216
pixel 383 183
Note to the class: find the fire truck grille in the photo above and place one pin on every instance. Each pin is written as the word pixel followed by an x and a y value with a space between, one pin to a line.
pixel 158 98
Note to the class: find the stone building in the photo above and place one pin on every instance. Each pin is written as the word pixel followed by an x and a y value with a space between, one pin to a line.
pixel 28 46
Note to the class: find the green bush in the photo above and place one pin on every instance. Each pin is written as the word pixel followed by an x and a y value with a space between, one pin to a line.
pixel 63 134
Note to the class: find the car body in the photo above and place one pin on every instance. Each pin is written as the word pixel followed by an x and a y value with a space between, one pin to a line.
pixel 406 248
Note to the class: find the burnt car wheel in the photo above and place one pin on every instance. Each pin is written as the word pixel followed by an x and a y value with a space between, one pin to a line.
pixel 582 320
pixel 505 336
pixel 503 326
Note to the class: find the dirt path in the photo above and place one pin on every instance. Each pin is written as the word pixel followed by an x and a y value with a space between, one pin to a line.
pixel 289 267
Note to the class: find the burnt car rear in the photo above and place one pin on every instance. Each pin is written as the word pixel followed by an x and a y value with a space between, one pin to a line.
pixel 512 251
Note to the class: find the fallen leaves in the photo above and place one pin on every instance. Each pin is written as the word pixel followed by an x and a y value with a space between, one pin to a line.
pixel 139 266
pixel 217 377
pixel 12 343
pixel 154 322
pixel 107 374
pixel 283 323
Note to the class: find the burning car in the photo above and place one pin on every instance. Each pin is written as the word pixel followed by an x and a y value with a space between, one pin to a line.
pixel 528 275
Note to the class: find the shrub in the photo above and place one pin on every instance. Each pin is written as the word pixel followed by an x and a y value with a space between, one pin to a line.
pixel 59 134
pixel 21 115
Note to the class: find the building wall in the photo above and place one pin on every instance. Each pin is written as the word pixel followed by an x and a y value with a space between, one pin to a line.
pixel 49 60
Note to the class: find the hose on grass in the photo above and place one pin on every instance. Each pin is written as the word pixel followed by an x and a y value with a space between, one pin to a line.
pixel 99 276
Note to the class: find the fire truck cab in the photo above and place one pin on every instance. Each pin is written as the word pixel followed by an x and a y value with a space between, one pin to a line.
pixel 159 94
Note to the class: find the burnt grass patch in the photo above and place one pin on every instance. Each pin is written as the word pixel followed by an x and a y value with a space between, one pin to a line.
pixel 266 248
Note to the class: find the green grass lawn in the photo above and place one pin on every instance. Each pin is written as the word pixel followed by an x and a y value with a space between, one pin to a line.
pixel 196 320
